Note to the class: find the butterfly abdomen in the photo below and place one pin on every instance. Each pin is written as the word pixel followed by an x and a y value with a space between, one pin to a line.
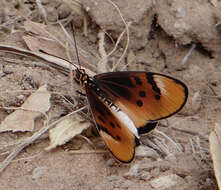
pixel 101 94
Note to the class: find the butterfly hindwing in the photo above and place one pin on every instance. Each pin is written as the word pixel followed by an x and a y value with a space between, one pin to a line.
pixel 118 138
pixel 144 96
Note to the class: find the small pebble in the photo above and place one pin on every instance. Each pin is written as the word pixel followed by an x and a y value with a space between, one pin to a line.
pixel 126 184
pixel 112 178
pixel 110 162
pixel 21 97
pixel 145 176
pixel 180 13
pixel 133 172
pixel 38 172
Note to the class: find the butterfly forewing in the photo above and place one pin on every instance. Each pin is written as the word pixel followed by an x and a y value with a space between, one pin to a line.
pixel 118 138
pixel 144 96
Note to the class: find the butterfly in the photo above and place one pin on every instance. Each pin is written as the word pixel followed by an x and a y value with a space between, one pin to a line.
pixel 129 103
pixel 124 104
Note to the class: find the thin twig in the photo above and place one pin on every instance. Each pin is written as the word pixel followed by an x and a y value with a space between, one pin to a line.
pixel 87 140
pixel 164 148
pixel 42 10
pixel 202 152
pixel 192 145
pixel 102 64
pixel 178 146
pixel 216 97
pixel 83 52
pixel 127 32
pixel 24 62
pixel 185 59
pixel 191 133
pixel 117 43
pixel 149 143
pixel 87 151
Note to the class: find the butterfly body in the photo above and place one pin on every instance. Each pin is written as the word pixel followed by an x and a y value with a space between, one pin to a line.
pixel 126 104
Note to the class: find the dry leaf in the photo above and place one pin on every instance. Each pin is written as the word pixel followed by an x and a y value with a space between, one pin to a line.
pixel 36 28
pixel 23 119
pixel 66 130
pixel 50 47
pixel 215 151
pixel 46 38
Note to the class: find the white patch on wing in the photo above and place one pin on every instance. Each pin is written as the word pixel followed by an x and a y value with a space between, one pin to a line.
pixel 161 84
pixel 126 121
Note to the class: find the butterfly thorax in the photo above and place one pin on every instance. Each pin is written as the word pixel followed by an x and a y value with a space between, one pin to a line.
pixel 82 78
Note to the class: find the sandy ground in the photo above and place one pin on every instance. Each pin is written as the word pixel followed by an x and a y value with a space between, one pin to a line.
pixel 161 35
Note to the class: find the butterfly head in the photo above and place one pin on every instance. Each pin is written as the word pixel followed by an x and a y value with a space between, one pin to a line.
pixel 81 77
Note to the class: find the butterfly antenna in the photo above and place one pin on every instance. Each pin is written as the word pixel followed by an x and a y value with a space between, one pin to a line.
pixel 75 44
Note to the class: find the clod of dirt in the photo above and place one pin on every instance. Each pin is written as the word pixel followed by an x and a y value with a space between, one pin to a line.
pixel 141 20
pixel 179 20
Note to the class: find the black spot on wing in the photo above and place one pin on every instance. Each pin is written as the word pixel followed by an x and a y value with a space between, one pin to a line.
pixel 118 138
pixel 118 126
pixel 138 81
pixel 151 80
pixel 142 93
pixel 102 113
pixel 157 97
pixel 139 103
pixel 112 124
pixel 100 127
pixel 147 128
pixel 101 119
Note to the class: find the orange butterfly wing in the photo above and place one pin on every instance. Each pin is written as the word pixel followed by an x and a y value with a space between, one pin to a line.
pixel 118 138
pixel 144 96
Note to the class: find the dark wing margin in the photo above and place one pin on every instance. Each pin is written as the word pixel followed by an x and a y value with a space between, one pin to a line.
pixel 147 128
pixel 118 138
